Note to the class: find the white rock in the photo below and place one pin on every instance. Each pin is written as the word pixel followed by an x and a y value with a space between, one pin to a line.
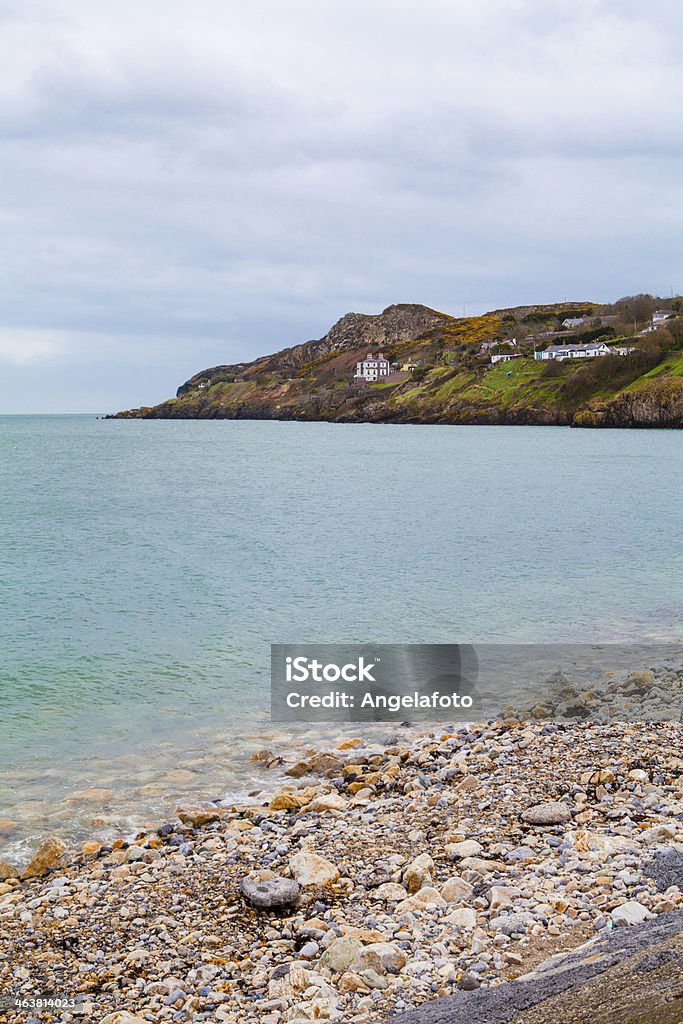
pixel 456 890
pixel 632 912
pixel 467 848
pixel 340 954
pixel 596 842
pixel 419 873
pixel 463 917
pixel 310 869
pixel 380 957
pixel 327 802
pixel 502 897
pixel 422 898
pixel 389 891
pixel 658 834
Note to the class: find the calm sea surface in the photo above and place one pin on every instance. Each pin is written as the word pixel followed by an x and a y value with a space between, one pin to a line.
pixel 147 567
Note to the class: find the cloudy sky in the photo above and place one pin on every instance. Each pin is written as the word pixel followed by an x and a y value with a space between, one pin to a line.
pixel 183 183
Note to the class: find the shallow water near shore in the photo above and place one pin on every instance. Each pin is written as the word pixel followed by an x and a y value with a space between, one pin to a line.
pixel 148 566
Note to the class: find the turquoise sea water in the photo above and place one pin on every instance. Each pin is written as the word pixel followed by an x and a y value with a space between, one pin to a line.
pixel 148 566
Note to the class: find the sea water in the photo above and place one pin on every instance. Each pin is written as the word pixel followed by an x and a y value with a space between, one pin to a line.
pixel 147 566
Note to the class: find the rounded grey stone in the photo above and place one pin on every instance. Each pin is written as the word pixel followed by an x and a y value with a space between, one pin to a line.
pixel 275 892
pixel 552 812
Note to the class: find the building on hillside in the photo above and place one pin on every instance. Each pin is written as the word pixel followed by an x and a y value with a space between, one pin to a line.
pixel 623 350
pixel 409 366
pixel 575 321
pixel 487 346
pixel 661 315
pixel 587 351
pixel 372 368
pixel 505 357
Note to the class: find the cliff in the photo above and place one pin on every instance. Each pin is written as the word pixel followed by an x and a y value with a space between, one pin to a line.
pixel 447 374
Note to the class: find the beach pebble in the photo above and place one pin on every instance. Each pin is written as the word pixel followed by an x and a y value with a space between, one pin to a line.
pixel 466 848
pixel 631 912
pixel 502 897
pixel 380 957
pixel 552 812
pixel 390 891
pixel 418 873
pixel 273 892
pixel 7 871
pixel 340 954
pixel 309 868
pixel 50 855
pixel 463 917
pixel 457 890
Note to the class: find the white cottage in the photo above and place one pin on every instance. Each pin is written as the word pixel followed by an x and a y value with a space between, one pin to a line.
pixel 505 357
pixel 588 351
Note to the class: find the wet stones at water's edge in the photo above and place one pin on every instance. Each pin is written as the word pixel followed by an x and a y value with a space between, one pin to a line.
pixel 378 877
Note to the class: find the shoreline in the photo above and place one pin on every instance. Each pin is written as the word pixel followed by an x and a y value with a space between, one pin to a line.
pixel 424 867
pixel 213 764
pixel 437 422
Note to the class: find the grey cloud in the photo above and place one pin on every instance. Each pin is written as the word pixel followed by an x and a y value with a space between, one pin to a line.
pixel 184 185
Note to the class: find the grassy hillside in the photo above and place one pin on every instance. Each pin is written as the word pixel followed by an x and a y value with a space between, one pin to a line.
pixel 454 380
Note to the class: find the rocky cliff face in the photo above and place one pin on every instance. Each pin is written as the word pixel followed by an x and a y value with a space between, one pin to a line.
pixel 401 322
pixel 659 403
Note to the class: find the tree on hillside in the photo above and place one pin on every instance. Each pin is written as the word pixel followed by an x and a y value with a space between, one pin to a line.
pixel 637 307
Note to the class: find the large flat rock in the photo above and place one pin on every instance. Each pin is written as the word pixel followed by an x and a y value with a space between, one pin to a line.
pixel 626 976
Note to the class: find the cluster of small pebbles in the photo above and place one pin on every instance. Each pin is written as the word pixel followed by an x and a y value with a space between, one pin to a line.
pixel 381 875
pixel 650 695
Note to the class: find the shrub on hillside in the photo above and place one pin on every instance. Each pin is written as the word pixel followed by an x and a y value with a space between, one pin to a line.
pixel 553 368
pixel 420 372
pixel 613 371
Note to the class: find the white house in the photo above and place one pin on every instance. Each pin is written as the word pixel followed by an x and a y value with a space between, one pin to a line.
pixel 575 321
pixel 505 357
pixel 588 351
pixel 660 315
pixel 623 350
pixel 372 368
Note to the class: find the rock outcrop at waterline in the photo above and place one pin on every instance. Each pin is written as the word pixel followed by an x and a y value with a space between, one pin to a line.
pixel 444 374
pixel 659 404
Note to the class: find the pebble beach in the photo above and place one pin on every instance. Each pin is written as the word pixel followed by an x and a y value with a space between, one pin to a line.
pixel 380 875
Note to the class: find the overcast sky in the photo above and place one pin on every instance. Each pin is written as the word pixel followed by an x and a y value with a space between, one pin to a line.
pixel 183 184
